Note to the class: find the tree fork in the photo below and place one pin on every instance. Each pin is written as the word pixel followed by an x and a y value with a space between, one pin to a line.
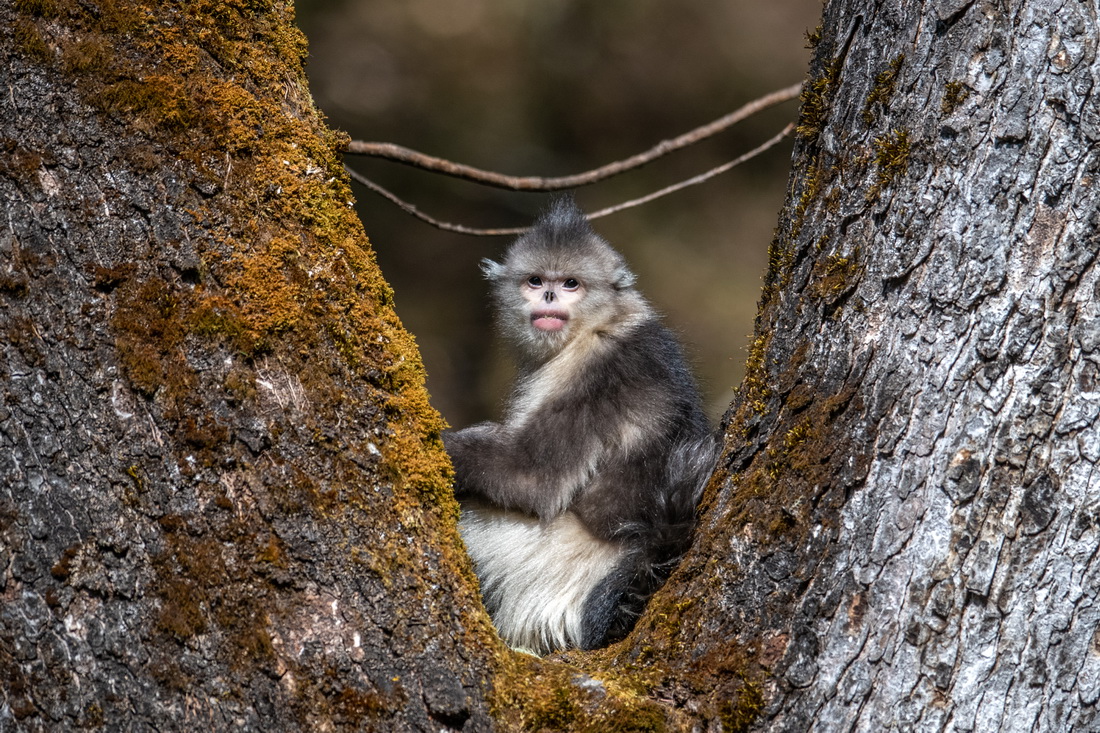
pixel 223 500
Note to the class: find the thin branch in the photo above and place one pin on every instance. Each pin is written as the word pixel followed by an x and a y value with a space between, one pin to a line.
pixel 696 180
pixel 447 226
pixel 417 159
pixel 410 209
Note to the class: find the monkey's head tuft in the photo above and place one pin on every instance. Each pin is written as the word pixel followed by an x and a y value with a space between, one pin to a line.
pixel 562 239
pixel 560 273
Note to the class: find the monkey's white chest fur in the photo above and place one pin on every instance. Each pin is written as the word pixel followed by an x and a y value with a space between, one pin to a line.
pixel 535 578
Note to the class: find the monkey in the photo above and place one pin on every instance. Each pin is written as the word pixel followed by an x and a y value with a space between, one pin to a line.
pixel 577 505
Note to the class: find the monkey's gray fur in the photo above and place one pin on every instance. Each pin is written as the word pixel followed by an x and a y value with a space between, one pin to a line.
pixel 580 502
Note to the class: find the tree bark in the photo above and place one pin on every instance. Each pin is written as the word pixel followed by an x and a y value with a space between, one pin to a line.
pixel 223 498
pixel 906 533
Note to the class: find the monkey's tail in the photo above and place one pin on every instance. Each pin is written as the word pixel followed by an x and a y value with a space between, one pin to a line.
pixel 656 546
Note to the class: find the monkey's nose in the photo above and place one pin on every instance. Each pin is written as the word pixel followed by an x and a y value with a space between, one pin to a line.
pixel 549 296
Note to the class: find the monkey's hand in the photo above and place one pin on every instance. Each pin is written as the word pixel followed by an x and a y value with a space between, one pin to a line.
pixel 471 450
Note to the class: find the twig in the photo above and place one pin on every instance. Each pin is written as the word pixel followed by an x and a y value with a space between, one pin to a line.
pixel 410 209
pixel 447 226
pixel 407 156
pixel 696 180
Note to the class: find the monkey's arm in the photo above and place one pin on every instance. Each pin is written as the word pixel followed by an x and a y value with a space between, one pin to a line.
pixel 484 459
pixel 537 468
pixel 468 448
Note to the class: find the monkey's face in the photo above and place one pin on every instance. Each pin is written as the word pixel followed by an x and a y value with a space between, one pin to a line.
pixel 556 284
pixel 551 301
pixel 541 310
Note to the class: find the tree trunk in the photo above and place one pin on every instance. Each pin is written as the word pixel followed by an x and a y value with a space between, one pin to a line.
pixel 906 534
pixel 223 498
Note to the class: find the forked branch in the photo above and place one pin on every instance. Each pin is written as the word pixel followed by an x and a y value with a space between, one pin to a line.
pixel 460 229
pixel 404 155
pixel 401 154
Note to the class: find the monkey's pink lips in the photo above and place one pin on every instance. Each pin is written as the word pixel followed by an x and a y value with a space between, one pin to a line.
pixel 549 320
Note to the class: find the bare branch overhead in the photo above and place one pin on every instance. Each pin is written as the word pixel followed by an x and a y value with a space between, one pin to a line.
pixel 401 154
pixel 461 229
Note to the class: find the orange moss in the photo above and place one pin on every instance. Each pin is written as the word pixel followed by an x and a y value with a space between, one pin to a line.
pixel 536 694
pixel 287 285
pixel 274 285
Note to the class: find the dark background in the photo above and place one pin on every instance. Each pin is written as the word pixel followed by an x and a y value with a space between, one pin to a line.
pixel 552 88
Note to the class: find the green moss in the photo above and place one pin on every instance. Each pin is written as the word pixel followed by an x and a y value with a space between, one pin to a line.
pixel 755 384
pixel 28 39
pixel 775 491
pixel 891 160
pixel 557 711
pixel 813 38
pixel 816 100
pixel 87 56
pixel 812 184
pixel 216 317
pixel 782 248
pixel 809 190
pixel 41 8
pixel 882 91
pixel 159 101
pixel 534 694
pixel 739 714
pixel 835 274
pixel 954 94
pixel 780 458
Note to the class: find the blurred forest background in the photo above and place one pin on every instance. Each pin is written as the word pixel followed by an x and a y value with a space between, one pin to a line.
pixel 525 87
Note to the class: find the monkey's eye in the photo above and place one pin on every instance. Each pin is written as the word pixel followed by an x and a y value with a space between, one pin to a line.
pixel 534 281
pixel 570 284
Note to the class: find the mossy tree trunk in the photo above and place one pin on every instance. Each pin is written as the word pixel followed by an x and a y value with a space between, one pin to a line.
pixel 223 498
pixel 905 534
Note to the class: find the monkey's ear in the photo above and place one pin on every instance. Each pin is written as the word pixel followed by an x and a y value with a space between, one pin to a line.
pixel 622 279
pixel 492 270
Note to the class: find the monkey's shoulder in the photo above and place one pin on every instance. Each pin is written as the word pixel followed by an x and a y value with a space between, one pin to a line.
pixel 648 352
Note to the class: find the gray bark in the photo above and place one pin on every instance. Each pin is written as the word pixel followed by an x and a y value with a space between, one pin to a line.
pixel 969 551
pixel 915 514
